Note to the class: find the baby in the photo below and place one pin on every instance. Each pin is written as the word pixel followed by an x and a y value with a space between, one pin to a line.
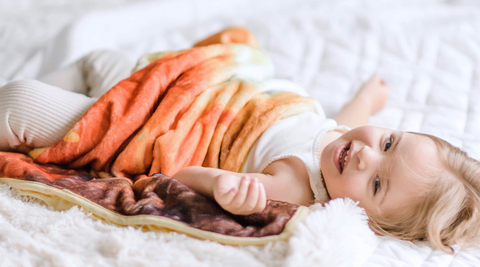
pixel 412 186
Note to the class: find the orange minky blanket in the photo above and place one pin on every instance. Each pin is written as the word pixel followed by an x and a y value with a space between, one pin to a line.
pixel 195 107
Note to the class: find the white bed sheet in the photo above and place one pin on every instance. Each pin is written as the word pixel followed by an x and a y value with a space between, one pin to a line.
pixel 428 51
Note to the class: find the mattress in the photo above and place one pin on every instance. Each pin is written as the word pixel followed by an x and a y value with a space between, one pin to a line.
pixel 428 51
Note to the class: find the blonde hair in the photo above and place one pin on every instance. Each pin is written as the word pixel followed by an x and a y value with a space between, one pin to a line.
pixel 449 211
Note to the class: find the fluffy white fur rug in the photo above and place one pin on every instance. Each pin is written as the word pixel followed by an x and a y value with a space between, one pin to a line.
pixel 334 235
pixel 32 234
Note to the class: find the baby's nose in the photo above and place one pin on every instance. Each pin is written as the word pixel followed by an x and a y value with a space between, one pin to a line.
pixel 363 156
pixel 361 165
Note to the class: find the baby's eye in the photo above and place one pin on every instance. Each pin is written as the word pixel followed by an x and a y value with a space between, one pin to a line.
pixel 389 142
pixel 376 185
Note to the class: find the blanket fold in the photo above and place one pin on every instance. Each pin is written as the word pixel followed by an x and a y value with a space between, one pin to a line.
pixel 196 107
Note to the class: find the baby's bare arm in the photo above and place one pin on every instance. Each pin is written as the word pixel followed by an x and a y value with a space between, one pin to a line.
pixel 203 179
pixel 242 193
pixel 369 100
pixel 235 192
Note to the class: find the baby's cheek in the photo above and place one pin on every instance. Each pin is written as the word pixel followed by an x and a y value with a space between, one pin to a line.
pixel 337 189
pixel 344 188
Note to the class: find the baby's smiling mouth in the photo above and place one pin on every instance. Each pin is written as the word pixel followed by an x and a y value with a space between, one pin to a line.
pixel 343 158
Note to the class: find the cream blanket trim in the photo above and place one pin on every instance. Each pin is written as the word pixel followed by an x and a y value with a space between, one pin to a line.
pixel 62 199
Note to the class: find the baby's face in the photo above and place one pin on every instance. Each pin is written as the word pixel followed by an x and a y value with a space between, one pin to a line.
pixel 384 169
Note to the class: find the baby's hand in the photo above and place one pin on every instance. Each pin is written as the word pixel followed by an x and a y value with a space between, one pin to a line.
pixel 239 196
pixel 375 92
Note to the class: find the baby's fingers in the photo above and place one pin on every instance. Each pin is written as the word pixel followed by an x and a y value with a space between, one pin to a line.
pixel 250 204
pixel 239 199
pixel 262 199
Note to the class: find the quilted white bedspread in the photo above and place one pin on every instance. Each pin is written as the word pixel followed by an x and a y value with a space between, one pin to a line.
pixel 429 51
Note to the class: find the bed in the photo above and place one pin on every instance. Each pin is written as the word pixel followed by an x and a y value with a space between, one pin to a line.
pixel 428 51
